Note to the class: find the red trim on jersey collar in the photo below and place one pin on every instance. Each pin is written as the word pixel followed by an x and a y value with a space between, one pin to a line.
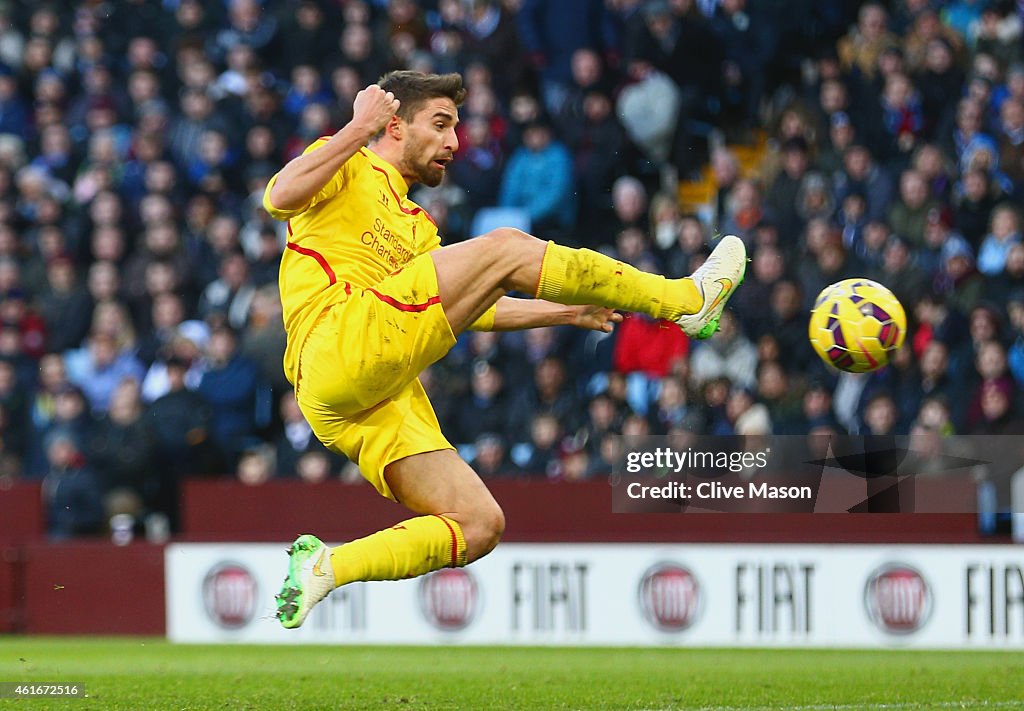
pixel 387 176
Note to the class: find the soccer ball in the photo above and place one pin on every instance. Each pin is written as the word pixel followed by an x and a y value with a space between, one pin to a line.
pixel 856 324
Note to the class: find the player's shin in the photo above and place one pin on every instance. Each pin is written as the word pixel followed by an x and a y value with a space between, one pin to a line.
pixel 408 549
pixel 582 276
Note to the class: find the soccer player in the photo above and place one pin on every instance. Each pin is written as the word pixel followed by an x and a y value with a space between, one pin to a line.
pixel 371 298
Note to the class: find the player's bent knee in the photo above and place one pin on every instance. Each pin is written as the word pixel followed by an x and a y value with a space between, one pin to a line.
pixel 510 251
pixel 483 531
pixel 510 240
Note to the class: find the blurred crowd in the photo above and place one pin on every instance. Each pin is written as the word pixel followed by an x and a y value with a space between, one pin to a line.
pixel 140 326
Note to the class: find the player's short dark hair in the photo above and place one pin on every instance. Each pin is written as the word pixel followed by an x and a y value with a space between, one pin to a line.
pixel 414 89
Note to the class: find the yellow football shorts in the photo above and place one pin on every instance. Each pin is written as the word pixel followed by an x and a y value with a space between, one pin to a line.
pixel 357 382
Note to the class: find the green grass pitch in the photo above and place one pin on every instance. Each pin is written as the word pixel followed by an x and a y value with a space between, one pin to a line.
pixel 150 674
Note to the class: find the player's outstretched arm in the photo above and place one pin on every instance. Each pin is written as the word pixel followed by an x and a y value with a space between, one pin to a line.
pixel 516 314
pixel 304 176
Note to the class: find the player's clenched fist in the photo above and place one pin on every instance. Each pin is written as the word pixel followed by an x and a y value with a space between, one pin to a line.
pixel 373 108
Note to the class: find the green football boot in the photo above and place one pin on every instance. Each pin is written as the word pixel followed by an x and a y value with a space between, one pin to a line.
pixel 310 579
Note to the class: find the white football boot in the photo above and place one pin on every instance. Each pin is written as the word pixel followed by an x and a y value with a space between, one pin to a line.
pixel 716 280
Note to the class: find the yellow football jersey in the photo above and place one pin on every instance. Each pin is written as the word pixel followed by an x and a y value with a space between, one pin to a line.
pixel 358 229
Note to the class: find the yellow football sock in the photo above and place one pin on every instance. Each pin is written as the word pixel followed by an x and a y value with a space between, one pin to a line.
pixel 411 548
pixel 582 276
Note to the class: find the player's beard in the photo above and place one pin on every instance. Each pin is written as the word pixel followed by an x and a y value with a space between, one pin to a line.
pixel 424 170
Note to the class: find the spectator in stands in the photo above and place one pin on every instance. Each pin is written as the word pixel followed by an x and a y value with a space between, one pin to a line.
pixel 997 413
pixel 813 200
pixel 587 70
pixel 231 294
pixel 314 467
pixel 1015 353
pixel 975 198
pixel 597 141
pixel 729 353
pixel 479 168
pixel 490 33
pixel 1002 288
pixel 936 170
pixel 816 408
pixel 745 210
pixel 859 173
pixel 997 34
pixel 485 408
pixel 860 48
pixel 902 115
pixel 881 415
pixel 14 114
pixel 969 129
pixel 1003 235
pixel 255 466
pixel 649 109
pixel 167 314
pixel 900 272
pixel 162 244
pixel 958 280
pixel 491 458
pixel 665 220
pixel 543 450
pixel 749 43
pixel 781 396
pixel 753 302
pixel 186 344
pixel 99 367
pixel 863 239
pixel 938 80
pixel 603 417
pixel 786 323
pixel 830 265
pixel 16 313
pixel 296 440
pixel 539 180
pixel 938 230
pixel 781 199
pixel 111 318
pixel 124 451
pixel 71 492
pixel 197 116
pixel 1011 141
pixel 14 409
pixel 180 421
pixel 64 306
pixel 643 345
pixel 263 341
pixel 549 392
pixel 672 408
pixel 909 213
pixel 991 374
pixel 238 399
pixel 551 33
pixel 841 135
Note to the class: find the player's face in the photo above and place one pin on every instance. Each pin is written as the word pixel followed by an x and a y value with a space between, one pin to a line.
pixel 431 142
